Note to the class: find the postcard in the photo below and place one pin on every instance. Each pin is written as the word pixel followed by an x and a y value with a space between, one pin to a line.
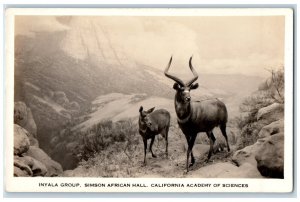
pixel 149 100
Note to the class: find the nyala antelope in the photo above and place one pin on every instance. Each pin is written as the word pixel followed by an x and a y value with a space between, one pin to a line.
pixel 152 123
pixel 197 116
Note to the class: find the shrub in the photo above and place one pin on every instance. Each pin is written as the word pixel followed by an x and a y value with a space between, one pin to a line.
pixel 269 92
pixel 107 133
pixel 274 86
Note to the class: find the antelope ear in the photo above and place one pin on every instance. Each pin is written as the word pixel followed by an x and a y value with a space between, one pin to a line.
pixel 151 110
pixel 141 109
pixel 176 86
pixel 194 86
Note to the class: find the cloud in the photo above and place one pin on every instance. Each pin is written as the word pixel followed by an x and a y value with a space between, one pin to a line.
pixel 254 64
pixel 152 41
pixel 223 45
pixel 28 25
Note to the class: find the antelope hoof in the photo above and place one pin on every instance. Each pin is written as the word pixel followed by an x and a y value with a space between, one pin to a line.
pixel 191 164
pixel 154 156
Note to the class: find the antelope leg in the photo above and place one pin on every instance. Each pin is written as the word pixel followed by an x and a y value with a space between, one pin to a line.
pixel 145 150
pixel 211 142
pixel 152 141
pixel 223 130
pixel 192 159
pixel 166 138
pixel 189 152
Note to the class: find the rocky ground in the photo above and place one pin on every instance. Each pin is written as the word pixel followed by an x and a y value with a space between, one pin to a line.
pixel 29 159
pixel 262 159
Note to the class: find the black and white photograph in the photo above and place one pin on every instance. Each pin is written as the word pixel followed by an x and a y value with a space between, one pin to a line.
pixel 150 100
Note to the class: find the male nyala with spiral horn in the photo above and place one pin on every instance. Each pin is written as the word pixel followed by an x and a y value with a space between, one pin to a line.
pixel 197 116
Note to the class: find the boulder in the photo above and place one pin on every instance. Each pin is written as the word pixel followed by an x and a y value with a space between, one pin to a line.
pixel 200 150
pixel 21 169
pixel 24 118
pixel 53 168
pixel 20 113
pixel 33 141
pixel 22 172
pixel 21 140
pixel 247 170
pixel 270 156
pixel 28 163
pixel 226 170
pixel 247 154
pixel 271 129
pixel 271 113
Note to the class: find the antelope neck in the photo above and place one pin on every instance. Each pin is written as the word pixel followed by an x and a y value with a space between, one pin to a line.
pixel 143 130
pixel 183 110
pixel 142 127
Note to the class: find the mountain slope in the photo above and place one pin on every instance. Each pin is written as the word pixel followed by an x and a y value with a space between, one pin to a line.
pixel 117 107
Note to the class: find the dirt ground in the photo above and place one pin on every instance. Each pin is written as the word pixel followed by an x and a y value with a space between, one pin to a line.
pixel 175 164
pixel 117 164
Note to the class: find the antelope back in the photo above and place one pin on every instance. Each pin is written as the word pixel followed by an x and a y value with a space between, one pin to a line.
pixel 208 114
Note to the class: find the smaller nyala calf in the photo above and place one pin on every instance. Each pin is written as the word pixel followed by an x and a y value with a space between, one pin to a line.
pixel 152 123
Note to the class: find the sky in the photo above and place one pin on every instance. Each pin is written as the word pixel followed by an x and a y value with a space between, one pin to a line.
pixel 225 45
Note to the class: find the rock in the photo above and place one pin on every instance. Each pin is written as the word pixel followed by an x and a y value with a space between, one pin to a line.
pixel 271 113
pixel 247 170
pixel 23 117
pixel 200 150
pixel 21 140
pixel 68 173
pixel 21 169
pixel 54 168
pixel 21 172
pixel 33 142
pixel 20 113
pixel 28 163
pixel 270 156
pixel 38 169
pixel 226 170
pixel 80 171
pixel 271 129
pixel 247 154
